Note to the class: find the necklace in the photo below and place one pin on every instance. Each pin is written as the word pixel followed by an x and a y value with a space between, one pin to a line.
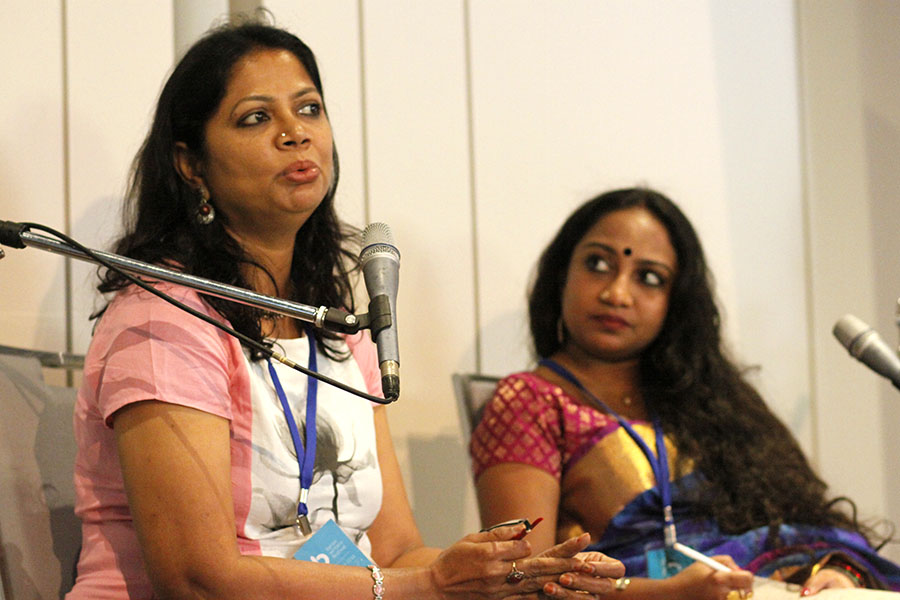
pixel 620 399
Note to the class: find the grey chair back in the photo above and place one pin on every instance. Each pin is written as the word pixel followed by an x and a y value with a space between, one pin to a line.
pixel 40 536
pixel 473 391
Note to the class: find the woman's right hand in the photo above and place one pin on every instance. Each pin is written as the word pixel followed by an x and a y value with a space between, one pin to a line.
pixel 477 566
pixel 699 582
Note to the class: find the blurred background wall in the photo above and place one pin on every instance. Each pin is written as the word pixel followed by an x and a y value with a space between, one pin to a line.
pixel 473 127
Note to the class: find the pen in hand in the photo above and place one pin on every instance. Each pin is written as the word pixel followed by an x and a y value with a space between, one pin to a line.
pixel 529 525
pixel 699 557
pixel 528 528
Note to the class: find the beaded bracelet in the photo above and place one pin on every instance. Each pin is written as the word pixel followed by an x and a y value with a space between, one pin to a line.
pixel 848 571
pixel 378 586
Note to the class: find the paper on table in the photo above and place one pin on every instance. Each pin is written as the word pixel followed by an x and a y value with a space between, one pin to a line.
pixel 768 589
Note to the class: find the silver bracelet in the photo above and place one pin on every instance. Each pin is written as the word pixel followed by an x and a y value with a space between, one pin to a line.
pixel 378 586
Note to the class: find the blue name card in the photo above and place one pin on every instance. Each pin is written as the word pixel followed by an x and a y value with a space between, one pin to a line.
pixel 330 545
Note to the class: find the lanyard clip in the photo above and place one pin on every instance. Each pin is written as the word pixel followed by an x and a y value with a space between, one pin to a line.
pixel 302 524
pixel 669 529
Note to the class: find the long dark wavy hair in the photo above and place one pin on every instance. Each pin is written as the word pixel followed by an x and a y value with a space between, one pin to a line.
pixel 754 470
pixel 161 208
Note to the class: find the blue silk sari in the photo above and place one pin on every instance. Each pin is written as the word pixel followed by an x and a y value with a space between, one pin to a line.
pixel 626 538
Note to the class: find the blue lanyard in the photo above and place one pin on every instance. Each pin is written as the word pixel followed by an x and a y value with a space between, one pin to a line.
pixel 658 463
pixel 309 452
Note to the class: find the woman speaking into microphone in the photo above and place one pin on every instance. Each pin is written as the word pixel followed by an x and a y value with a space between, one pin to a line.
pixel 203 469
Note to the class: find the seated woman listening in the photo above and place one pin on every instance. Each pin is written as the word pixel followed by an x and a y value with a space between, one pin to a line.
pixel 636 427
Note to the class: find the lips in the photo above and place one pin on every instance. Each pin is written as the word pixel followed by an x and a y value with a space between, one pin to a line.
pixel 611 322
pixel 302 171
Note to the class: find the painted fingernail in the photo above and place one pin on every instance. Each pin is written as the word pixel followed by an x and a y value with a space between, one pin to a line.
pixel 806 592
pixel 550 589
pixel 566 579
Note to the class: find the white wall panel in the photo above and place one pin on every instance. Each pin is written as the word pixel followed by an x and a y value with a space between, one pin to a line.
pixel 845 264
pixel 568 104
pixel 757 97
pixel 118 55
pixel 879 23
pixel 32 170
pixel 418 173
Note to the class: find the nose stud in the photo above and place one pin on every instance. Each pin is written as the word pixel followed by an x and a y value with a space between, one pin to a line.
pixel 282 135
pixel 605 295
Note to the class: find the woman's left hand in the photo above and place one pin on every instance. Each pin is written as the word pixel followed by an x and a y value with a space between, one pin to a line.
pixel 596 576
pixel 826 578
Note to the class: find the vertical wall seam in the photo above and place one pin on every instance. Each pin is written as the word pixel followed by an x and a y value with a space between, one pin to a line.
pixel 473 204
pixel 364 123
pixel 67 185
pixel 806 210
pixel 176 50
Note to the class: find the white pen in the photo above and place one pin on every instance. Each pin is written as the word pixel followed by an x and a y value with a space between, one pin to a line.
pixel 699 557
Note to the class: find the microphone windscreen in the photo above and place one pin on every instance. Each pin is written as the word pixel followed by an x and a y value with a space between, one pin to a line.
pixel 848 329
pixel 377 233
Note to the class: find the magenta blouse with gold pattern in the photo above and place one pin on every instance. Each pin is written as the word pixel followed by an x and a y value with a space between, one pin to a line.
pixel 600 468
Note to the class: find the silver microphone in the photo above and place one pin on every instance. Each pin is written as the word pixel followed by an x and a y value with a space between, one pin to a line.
pixel 380 261
pixel 866 345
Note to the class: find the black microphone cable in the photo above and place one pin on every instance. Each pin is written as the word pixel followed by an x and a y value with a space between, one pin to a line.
pixel 18 228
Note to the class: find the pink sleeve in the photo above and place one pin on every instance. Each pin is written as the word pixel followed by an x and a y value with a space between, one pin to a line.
pixel 366 356
pixel 518 426
pixel 145 348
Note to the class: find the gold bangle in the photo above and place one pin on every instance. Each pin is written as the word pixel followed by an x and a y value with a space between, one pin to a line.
pixel 622 584
pixel 815 569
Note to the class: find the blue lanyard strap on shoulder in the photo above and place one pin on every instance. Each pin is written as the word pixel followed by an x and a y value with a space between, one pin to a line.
pixel 308 453
pixel 659 462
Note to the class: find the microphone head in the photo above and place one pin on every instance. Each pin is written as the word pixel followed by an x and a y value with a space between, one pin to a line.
pixel 377 238
pixel 864 344
pixel 848 329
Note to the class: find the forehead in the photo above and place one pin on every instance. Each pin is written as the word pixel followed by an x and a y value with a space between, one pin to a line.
pixel 634 228
pixel 266 71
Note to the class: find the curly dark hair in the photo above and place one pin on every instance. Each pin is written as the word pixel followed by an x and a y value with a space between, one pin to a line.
pixel 754 470
pixel 160 223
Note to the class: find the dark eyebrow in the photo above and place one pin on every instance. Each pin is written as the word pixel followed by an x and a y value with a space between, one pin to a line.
pixel 267 99
pixel 641 261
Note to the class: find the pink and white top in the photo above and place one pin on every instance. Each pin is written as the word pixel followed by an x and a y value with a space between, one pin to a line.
pixel 144 348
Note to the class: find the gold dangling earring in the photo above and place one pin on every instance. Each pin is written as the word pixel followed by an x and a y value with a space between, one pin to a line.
pixel 206 212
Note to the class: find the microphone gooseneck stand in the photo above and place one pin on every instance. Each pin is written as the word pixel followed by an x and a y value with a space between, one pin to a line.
pixel 18 235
